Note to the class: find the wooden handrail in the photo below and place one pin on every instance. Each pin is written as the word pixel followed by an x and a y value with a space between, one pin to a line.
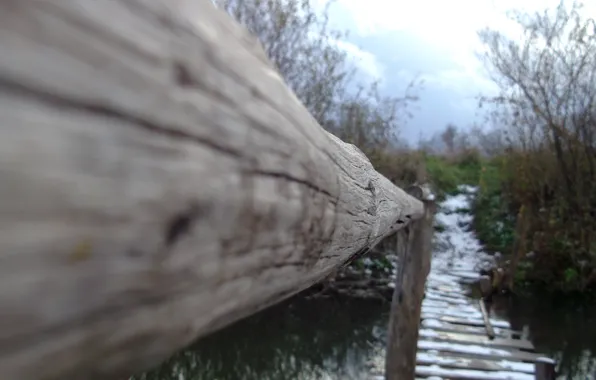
pixel 158 181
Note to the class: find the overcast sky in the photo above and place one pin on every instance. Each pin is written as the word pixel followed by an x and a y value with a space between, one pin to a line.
pixel 398 40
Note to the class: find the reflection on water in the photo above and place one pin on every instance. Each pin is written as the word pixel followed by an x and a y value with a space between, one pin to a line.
pixel 299 339
pixel 333 339
pixel 560 327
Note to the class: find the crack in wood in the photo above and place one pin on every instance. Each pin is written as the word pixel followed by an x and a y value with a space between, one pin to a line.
pixel 180 225
pixel 13 88
pixel 291 178
pixel 372 210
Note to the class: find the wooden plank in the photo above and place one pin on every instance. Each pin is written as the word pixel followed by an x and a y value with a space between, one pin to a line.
pixel 446 289
pixel 469 321
pixel 453 301
pixel 449 294
pixel 465 274
pixel 455 318
pixel 464 311
pixel 450 297
pixel 476 339
pixel 469 374
pixel 487 324
pixel 159 181
pixel 439 325
pixel 443 279
pixel 480 351
pixel 449 361
pixel 494 358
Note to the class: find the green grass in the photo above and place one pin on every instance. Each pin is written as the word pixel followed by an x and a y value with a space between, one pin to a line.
pixel 446 174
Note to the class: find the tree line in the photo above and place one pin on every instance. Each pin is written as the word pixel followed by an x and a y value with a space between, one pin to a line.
pixel 534 157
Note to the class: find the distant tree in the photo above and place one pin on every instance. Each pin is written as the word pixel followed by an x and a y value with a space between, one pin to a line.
pixel 300 43
pixel 449 136
pixel 548 85
pixel 547 106
pixel 490 143
pixel 372 121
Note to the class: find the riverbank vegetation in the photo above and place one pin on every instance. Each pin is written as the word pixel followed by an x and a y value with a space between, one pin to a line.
pixel 538 203
pixel 314 60
pixel 534 161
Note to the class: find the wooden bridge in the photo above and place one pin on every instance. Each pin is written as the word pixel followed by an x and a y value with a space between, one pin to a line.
pixel 159 181
pixel 450 334
pixel 458 340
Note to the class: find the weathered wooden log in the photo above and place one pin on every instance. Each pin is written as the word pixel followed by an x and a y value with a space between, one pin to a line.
pixel 158 181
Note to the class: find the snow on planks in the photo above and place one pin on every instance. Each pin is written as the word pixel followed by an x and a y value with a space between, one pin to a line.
pixel 476 339
pixel 452 342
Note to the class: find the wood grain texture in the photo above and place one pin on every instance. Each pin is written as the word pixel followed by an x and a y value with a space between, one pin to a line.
pixel 158 181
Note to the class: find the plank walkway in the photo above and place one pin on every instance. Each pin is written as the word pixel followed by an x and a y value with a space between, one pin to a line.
pixel 453 342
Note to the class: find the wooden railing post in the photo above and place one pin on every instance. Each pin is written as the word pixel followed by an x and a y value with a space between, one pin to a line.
pixel 414 245
pixel 544 370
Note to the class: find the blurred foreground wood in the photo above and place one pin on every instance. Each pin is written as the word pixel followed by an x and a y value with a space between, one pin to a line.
pixel 158 181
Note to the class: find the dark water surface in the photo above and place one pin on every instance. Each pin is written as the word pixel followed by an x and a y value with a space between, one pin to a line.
pixel 333 339
pixel 561 327
pixel 298 339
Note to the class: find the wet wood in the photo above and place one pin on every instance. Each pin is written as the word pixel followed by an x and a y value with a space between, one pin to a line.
pixel 486 288
pixel 158 182
pixel 519 246
pixel 487 324
pixel 545 370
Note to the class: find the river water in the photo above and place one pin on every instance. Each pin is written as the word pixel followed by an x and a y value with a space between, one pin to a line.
pixel 337 338
pixel 562 328
pixel 297 339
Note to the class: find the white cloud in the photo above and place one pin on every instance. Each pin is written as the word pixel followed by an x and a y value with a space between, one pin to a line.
pixel 463 81
pixel 449 26
pixel 441 49
pixel 364 60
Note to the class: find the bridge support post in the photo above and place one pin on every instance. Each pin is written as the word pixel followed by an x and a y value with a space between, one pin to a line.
pixel 414 246
pixel 545 370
